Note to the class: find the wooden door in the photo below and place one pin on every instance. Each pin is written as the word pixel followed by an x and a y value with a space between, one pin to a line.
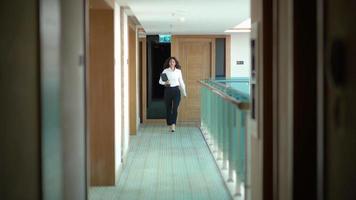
pixel 132 78
pixel 195 56
pixel 101 98
pixel 339 50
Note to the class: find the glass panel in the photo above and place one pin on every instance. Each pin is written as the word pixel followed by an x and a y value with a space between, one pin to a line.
pixel 224 126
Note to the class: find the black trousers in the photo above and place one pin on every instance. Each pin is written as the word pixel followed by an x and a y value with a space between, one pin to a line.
pixel 172 99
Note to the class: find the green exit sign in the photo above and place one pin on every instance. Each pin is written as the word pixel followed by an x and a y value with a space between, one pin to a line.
pixel 239 62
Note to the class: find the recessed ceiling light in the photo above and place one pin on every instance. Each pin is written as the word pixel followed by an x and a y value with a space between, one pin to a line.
pixel 181 19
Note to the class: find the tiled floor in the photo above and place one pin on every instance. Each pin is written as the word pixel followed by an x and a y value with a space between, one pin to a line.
pixel 167 166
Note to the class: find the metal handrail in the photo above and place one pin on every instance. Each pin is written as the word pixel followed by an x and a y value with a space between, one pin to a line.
pixel 230 88
pixel 240 104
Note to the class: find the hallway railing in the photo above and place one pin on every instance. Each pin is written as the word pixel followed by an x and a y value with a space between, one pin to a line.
pixel 224 110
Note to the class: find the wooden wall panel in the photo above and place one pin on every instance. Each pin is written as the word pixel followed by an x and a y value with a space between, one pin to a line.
pixel 228 56
pixel 283 94
pixel 144 80
pixel 101 97
pixel 132 79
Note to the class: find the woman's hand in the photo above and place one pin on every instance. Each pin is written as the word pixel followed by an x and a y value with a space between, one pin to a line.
pixel 184 93
pixel 167 82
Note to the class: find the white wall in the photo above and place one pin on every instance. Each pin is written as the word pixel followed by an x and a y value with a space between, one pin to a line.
pixel 121 87
pixel 72 100
pixel 117 89
pixel 240 51
pixel 125 71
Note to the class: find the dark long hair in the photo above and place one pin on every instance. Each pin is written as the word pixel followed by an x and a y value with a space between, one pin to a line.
pixel 166 63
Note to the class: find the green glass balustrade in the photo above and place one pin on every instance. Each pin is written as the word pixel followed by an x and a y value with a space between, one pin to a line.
pixel 223 122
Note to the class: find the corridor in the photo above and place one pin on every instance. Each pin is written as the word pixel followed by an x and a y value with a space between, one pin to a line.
pixel 162 165
pixel 270 85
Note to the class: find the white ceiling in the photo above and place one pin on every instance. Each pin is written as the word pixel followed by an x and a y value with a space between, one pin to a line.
pixel 189 16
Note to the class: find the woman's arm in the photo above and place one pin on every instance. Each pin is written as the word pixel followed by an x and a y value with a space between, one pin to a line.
pixel 160 80
pixel 181 83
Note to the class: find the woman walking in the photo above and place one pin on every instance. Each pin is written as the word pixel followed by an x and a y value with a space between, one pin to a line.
pixel 172 79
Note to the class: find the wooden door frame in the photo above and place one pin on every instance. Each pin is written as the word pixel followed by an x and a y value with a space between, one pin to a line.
pixel 320 100
pixel 283 102
pixel 293 140
pixel 228 56
pixel 144 86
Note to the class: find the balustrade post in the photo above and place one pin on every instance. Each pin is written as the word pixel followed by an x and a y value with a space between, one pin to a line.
pixel 231 137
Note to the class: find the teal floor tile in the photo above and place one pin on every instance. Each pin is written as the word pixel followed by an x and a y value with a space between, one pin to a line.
pixel 162 165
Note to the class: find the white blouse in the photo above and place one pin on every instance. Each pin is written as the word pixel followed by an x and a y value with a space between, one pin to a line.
pixel 175 79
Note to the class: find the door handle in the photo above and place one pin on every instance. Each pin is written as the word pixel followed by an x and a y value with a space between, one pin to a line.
pixel 336 67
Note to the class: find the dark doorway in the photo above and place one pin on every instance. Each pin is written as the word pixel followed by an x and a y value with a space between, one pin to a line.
pixel 157 53
pixel 220 63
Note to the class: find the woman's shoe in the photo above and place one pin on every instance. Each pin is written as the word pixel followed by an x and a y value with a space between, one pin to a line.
pixel 173 127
